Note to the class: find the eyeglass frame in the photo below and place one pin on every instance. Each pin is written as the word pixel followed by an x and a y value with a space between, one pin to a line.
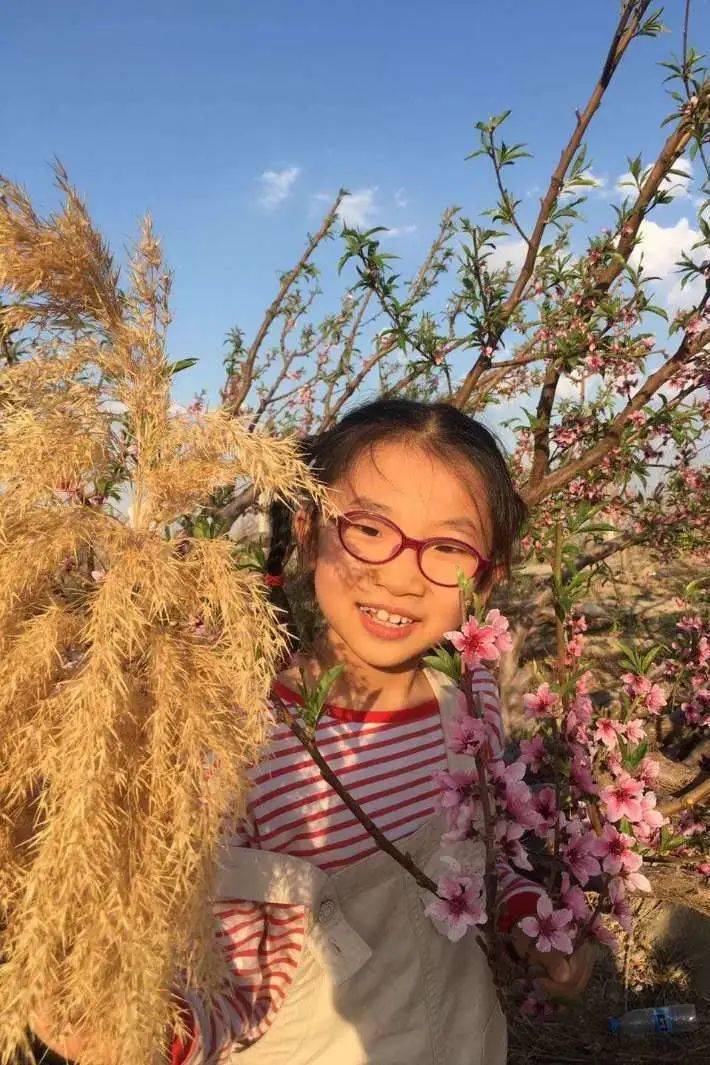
pixel 409 541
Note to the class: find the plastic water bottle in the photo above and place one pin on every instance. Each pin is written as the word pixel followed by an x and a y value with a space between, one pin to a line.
pixel 667 1019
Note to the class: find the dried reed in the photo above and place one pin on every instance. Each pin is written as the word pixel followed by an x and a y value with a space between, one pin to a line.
pixel 131 659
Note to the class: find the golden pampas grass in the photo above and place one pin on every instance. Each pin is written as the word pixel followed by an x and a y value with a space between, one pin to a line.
pixel 135 660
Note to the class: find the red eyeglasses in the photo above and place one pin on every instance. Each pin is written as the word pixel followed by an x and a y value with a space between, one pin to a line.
pixel 374 539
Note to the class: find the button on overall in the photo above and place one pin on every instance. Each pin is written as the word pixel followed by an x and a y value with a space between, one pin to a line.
pixel 326 911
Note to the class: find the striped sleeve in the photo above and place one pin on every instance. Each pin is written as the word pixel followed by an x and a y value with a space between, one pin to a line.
pixel 517 896
pixel 261 943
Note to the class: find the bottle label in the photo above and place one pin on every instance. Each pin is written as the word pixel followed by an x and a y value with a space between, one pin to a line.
pixel 662 1020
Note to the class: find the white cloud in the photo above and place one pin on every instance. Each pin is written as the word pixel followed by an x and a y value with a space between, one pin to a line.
pixel 661 247
pixel 400 198
pixel 677 185
pixel 358 209
pixel 682 299
pixel 508 251
pixel 400 231
pixel 277 185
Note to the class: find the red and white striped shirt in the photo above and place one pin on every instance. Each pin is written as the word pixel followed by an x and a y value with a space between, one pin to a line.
pixel 386 760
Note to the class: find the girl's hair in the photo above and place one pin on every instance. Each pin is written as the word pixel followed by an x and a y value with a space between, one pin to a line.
pixel 438 428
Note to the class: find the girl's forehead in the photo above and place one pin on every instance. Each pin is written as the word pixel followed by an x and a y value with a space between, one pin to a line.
pixel 407 470
pixel 413 482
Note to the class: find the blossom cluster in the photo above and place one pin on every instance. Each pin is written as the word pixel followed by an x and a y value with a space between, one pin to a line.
pixel 580 793
pixel 687 669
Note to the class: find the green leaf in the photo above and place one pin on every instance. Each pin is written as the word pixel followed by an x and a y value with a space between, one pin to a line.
pixel 181 364
pixel 633 758
pixel 445 663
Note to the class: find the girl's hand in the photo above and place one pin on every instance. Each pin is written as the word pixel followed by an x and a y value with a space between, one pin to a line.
pixel 69 1044
pixel 558 975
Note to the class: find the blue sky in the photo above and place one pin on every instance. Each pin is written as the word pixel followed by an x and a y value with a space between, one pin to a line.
pixel 181 108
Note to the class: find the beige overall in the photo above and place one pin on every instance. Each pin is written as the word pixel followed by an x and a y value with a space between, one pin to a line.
pixel 377 984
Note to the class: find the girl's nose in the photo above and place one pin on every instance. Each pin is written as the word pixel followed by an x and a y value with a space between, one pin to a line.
pixel 402 576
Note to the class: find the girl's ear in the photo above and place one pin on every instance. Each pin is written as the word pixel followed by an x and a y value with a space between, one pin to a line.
pixel 305 533
pixel 490 579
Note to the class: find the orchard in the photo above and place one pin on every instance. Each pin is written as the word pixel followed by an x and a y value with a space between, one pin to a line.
pixel 135 613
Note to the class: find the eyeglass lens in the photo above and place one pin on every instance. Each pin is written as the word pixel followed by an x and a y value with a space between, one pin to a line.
pixel 374 541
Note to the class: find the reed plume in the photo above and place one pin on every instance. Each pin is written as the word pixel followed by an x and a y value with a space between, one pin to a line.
pixel 135 660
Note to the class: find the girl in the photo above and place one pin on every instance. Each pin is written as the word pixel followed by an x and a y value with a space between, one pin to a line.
pixel 331 956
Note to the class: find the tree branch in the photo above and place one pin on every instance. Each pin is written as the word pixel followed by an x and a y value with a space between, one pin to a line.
pixel 697 795
pixel 236 392
pixel 556 480
pixel 367 823
pixel 624 34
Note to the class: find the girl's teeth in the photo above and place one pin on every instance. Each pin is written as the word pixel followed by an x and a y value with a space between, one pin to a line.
pixel 387 619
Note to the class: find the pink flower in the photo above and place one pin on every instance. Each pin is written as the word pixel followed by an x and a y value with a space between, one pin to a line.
pixel 636 881
pixel 622 798
pixel 634 731
pixel 532 752
pixel 476 643
pixel 607 731
pixel 648 772
pixel 655 700
pixel 575 646
pixel 542 703
pixel 467 734
pixel 550 928
pixel 463 822
pixel 582 708
pixel 459 904
pixel 653 696
pixel 635 685
pixel 581 775
pixel 599 931
pixel 455 787
pixel 614 848
pixel 578 855
pixel 574 899
pixel 519 806
pixel 649 814
pixel 508 835
pixel 499 625
pixel 546 806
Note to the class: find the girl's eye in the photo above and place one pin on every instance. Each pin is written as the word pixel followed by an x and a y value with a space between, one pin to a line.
pixel 369 530
pixel 450 549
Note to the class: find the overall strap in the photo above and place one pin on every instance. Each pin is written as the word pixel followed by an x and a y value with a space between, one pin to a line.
pixel 267 876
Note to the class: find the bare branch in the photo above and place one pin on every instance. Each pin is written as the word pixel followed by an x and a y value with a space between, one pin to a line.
pixel 556 480
pixel 541 434
pixel 367 823
pixel 624 34
pixel 697 795
pixel 236 392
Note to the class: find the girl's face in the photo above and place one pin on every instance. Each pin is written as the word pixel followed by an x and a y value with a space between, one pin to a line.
pixel 425 498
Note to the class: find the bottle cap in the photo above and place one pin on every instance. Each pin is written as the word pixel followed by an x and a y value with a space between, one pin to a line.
pixel 614 1024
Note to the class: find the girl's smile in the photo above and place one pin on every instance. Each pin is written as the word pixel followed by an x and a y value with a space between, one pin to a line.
pixel 380 624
